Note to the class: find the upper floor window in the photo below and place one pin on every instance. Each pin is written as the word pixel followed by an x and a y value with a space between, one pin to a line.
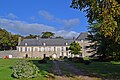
pixel 66 44
pixel 25 44
pixel 44 44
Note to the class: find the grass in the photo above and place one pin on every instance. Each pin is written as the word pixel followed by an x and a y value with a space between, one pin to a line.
pixel 6 69
pixel 110 70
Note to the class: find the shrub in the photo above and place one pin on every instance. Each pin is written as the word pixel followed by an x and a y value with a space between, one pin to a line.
pixel 70 59
pixel 44 60
pixel 77 59
pixel 65 57
pixel 87 62
pixel 25 69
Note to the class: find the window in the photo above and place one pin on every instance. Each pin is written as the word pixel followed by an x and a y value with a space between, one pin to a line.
pixel 66 44
pixel 25 44
pixel 23 49
pixel 42 49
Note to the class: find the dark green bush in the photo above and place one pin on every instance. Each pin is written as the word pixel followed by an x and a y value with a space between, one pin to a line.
pixel 44 60
pixel 77 60
pixel 70 59
pixel 65 57
pixel 87 62
pixel 25 69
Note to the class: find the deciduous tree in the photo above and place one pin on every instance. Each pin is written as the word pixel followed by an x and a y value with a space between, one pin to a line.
pixel 75 48
pixel 104 19
pixel 47 34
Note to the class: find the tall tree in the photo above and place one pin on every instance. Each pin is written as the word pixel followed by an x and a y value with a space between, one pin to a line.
pixel 104 19
pixel 7 40
pixel 75 48
pixel 47 34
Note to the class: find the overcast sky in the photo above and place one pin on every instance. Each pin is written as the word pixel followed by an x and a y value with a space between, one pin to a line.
pixel 26 17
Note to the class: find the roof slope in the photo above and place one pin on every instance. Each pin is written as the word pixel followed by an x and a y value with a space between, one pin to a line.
pixel 47 42
pixel 82 36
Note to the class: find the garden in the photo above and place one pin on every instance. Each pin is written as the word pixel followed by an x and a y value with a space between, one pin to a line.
pixel 38 69
pixel 23 69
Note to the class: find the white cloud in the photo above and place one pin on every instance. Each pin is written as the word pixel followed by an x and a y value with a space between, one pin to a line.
pixel 11 16
pixel 46 15
pixel 68 34
pixel 71 22
pixel 66 22
pixel 24 28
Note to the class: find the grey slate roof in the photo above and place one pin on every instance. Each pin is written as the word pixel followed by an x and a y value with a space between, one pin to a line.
pixel 82 36
pixel 48 42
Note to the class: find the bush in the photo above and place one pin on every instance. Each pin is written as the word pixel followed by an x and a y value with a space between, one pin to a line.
pixel 25 69
pixel 65 57
pixel 77 59
pixel 44 60
pixel 70 59
pixel 87 62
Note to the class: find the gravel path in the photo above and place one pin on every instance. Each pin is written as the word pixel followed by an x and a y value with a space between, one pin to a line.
pixel 65 71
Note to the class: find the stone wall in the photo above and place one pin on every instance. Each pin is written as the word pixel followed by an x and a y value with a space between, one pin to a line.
pixel 39 51
pixel 85 50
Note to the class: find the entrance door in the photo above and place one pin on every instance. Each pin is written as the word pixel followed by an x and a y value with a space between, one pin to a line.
pixel 26 56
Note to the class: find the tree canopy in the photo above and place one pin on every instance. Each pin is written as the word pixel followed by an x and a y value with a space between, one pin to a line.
pixel 7 40
pixel 104 19
pixel 47 34
pixel 75 48
pixel 30 36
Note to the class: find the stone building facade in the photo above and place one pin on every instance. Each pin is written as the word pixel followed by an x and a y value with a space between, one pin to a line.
pixel 84 42
pixel 55 48
pixel 39 47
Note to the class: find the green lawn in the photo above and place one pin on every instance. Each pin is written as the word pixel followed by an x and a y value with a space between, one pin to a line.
pixel 110 70
pixel 6 70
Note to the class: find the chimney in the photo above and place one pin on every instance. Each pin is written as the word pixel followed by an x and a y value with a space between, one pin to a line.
pixel 37 38
pixel 19 40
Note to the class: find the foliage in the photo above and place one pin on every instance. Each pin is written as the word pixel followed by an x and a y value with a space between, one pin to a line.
pixel 75 48
pixel 104 19
pixel 25 69
pixel 7 40
pixel 60 37
pixel 30 36
pixel 44 60
pixel 107 70
pixel 47 34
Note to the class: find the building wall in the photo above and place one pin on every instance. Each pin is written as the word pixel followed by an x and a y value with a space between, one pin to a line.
pixel 86 51
pixel 39 51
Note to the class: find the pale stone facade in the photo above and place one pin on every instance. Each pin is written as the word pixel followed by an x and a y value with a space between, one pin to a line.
pixel 55 48
pixel 85 43
pixel 39 51
pixel 56 51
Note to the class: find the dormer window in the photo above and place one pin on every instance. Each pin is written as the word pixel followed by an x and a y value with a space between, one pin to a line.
pixel 66 44
pixel 25 44
pixel 44 44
